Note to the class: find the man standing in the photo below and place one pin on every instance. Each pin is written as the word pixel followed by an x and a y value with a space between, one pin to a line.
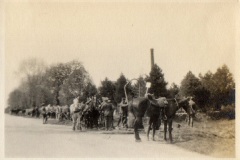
pixel 123 113
pixel 44 114
pixel 107 108
pixel 75 113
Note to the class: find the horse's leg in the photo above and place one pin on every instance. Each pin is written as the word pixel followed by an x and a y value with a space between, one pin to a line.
pixel 170 130
pixel 79 123
pixel 154 127
pixel 165 129
pixel 46 118
pixel 189 119
pixel 149 128
pixel 137 122
pixel 159 125
pixel 43 119
pixel 74 121
pixel 106 123
pixel 154 130
pixel 192 120
pixel 119 121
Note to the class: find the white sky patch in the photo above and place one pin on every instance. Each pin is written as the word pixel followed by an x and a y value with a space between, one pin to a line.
pixel 114 38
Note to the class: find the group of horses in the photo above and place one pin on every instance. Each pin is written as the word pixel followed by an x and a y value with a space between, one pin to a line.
pixel 151 106
pixel 93 116
pixel 137 108
pixel 52 112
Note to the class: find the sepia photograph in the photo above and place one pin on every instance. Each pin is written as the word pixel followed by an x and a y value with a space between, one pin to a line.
pixel 111 79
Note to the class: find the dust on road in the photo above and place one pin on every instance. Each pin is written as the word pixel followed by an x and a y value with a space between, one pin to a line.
pixel 29 138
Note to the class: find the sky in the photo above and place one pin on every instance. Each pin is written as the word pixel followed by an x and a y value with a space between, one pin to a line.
pixel 114 38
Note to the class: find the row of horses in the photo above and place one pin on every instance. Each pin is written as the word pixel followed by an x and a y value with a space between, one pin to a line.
pixel 137 109
pixel 52 111
pixel 93 117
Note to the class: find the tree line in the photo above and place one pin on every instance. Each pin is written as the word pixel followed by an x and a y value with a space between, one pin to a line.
pixel 60 83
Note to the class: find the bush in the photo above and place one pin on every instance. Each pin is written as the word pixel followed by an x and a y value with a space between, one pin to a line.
pixel 7 110
pixel 227 112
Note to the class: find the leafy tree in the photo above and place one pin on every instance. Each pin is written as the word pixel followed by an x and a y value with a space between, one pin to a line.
pixel 208 87
pixel 76 83
pixel 43 95
pixel 192 86
pixel 119 88
pixel 31 72
pixel 158 83
pixel 89 91
pixel 31 67
pixel 14 99
pixel 141 84
pixel 189 85
pixel 107 89
pixel 173 90
pixel 223 87
pixel 56 75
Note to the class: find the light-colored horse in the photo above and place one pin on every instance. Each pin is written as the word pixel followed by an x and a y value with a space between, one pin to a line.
pixel 76 110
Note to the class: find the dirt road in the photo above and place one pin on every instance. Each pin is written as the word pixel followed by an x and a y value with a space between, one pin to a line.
pixel 27 137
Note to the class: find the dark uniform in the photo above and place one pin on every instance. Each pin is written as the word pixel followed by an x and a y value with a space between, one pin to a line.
pixel 44 114
pixel 107 109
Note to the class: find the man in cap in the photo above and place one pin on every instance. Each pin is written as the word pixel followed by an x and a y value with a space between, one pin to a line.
pixel 107 108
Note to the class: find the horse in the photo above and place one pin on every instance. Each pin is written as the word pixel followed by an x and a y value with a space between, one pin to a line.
pixel 64 113
pixel 77 110
pixel 51 112
pixel 36 112
pixel 88 116
pixel 153 112
pixel 29 111
pixel 173 106
pixel 15 111
pixel 91 114
pixel 138 106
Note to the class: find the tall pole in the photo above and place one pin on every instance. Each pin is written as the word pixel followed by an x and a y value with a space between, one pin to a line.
pixel 152 57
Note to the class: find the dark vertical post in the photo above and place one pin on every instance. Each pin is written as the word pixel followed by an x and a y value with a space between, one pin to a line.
pixel 152 58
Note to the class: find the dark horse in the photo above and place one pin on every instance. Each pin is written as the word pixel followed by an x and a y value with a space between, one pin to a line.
pixel 138 107
pixel 170 111
pixel 15 111
pixel 153 112
pixel 91 114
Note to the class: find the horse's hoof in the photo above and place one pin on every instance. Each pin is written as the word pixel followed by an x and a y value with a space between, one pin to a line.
pixel 138 140
pixel 153 139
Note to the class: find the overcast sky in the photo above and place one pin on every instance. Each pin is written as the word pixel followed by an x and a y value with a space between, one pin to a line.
pixel 110 38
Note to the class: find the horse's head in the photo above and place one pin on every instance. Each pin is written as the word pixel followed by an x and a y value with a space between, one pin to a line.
pixel 188 105
pixel 160 102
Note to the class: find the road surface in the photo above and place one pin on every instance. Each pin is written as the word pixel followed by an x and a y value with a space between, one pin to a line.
pixel 29 138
